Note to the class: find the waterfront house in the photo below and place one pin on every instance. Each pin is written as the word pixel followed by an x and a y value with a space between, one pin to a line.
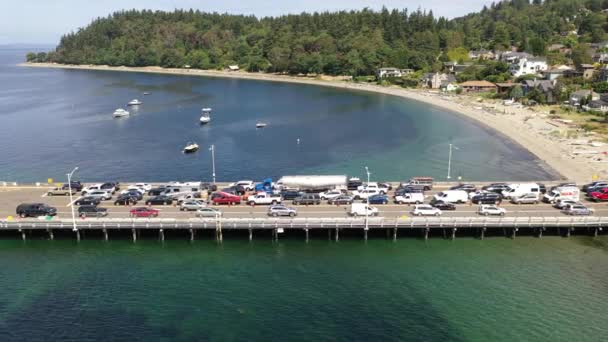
pixel 512 57
pixel 600 57
pixel 448 86
pixel 556 72
pixel 582 96
pixel 587 71
pixel 478 86
pixel 482 54
pixel 233 68
pixel 434 80
pixel 597 106
pixel 388 73
pixel 544 86
pixel 505 87
pixel 603 75
pixel 528 66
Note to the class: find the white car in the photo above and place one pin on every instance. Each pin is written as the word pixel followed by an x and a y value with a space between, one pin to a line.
pixel 91 188
pixel 133 188
pixel 425 210
pixel 192 205
pixel 144 186
pixel 249 185
pixel 488 210
pixel 102 194
pixel 365 193
pixel 381 188
pixel 331 194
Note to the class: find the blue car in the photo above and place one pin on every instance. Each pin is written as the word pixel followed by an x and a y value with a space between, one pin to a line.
pixel 378 199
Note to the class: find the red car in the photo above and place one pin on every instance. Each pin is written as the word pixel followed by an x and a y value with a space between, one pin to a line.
pixel 225 198
pixel 144 212
pixel 598 196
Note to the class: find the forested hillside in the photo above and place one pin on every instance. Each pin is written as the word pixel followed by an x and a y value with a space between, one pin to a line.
pixel 352 43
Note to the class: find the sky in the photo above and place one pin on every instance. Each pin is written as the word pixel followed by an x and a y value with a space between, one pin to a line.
pixel 44 21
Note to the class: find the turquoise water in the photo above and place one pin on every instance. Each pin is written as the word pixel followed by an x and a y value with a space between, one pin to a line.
pixel 527 289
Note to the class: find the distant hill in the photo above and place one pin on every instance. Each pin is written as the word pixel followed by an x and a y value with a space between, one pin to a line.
pixel 353 42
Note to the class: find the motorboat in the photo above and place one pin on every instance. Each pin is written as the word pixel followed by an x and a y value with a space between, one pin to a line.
pixel 134 102
pixel 191 147
pixel 260 124
pixel 120 113
pixel 206 116
pixel 146 93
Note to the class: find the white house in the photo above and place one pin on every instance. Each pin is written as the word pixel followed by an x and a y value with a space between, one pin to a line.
pixel 389 72
pixel 233 68
pixel 597 106
pixel 528 66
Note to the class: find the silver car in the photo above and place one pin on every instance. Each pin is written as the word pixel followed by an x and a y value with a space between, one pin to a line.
pixel 525 199
pixel 281 210
pixel 208 212
pixel 577 209
pixel 192 205
pixel 102 194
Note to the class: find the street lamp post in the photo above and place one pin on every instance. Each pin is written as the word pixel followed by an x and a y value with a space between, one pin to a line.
pixel 450 160
pixel 71 200
pixel 367 203
pixel 212 149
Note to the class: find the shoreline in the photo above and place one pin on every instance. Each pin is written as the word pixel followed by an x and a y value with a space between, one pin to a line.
pixel 524 127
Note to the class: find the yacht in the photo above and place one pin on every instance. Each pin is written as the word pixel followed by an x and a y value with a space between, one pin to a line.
pixel 134 102
pixel 206 116
pixel 120 113
pixel 191 147
pixel 260 124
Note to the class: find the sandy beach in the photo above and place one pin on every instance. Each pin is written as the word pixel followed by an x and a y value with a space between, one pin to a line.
pixel 580 158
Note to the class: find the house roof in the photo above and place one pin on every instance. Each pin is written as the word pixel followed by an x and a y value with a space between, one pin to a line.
pixel 587 66
pixel 479 84
pixel 544 85
pixel 388 69
pixel 597 104
pixel 582 93
pixel 506 84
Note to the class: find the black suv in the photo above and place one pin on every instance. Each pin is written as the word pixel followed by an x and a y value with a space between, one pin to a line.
pixel 157 191
pixel 35 209
pixel 127 199
pixel 486 198
pixel 88 201
pixel 110 185
pixel 291 194
pixel 74 185
pixel 92 211
pixel 464 187
pixel 307 199
pixel 496 187
pixel 354 183
pixel 160 200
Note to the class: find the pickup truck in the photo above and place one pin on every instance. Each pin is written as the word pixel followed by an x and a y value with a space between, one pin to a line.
pixel 264 198
pixel 60 192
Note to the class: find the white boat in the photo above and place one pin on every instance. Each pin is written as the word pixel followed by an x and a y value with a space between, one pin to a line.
pixel 146 93
pixel 191 147
pixel 134 102
pixel 120 113
pixel 260 124
pixel 206 116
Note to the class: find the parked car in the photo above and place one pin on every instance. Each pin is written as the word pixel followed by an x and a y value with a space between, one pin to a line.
pixel 75 185
pixel 562 203
pixel 365 193
pixel 410 198
pixel 112 186
pixel 92 211
pixel 289 195
pixel 425 182
pixel 191 205
pixel 144 186
pixel 594 186
pixel 330 194
pixel 379 188
pixel 465 187
pixel 225 198
pixel 441 205
pixel 126 199
pixel 409 190
pixel 307 199
pixel 60 192
pixel 486 198
pixel 496 187
pixel 354 183
pixel 426 210
pixel 248 185
pixel 159 200
pixel 264 198
pixel 87 200
pixel 235 190
pixel 157 191
pixel 378 199
pixel 208 212
pixel 91 188
pixel 133 193
pixel 341 200
pixel 101 194
pixel 452 196
pixel 133 188
pixel 598 196
pixel 144 212
pixel 488 210
pixel 35 210
pixel 577 209
pixel 281 210
pixel 531 198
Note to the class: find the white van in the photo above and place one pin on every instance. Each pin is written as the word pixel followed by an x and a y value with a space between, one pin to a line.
pixel 563 193
pixel 362 209
pixel 452 196
pixel 410 198
pixel 517 190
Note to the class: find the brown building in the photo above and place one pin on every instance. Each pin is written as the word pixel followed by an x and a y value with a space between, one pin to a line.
pixel 478 86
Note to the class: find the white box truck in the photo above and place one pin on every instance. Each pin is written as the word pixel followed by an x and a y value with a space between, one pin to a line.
pixel 452 196
pixel 563 193
pixel 517 190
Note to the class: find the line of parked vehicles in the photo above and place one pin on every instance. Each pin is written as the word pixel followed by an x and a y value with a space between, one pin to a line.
pixel 361 197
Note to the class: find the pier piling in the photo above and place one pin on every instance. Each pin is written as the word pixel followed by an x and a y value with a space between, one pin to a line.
pixel 191 234
pixel 394 234
pixel 134 234
pixel 454 233
pixel 22 235
pixel 105 234
pixel 337 235
pixel 51 235
pixel 250 234
pixel 161 234
pixel 306 231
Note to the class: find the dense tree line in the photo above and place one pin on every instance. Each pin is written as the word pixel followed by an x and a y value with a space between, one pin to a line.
pixel 346 42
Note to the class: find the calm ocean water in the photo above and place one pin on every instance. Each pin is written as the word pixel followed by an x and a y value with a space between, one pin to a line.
pixel 54 120
pixel 527 289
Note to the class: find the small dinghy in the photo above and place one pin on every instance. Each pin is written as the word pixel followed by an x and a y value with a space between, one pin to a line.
pixel 191 147
pixel 206 116
pixel 134 102
pixel 260 125
pixel 119 113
